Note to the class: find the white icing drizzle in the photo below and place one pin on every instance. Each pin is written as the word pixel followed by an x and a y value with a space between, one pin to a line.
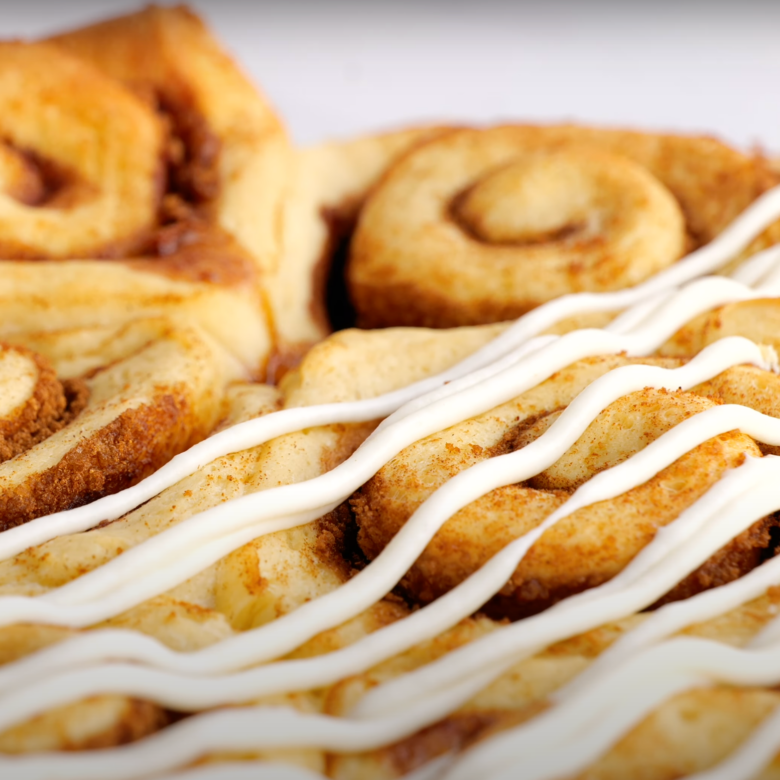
pixel 183 692
pixel 178 553
pixel 588 725
pixel 709 258
pixel 676 550
pixel 758 268
pixel 751 756
pixel 507 367
pixel 674 617
pixel 751 494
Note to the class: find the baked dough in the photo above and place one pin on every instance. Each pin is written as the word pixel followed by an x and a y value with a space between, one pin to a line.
pixel 143 176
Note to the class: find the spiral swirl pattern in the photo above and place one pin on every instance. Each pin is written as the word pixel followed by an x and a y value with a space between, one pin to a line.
pixel 483 225
pixel 135 185
pixel 594 543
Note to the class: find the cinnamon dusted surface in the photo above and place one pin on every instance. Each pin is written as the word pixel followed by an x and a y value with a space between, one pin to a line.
pixel 269 577
pixel 122 453
pixel 157 391
pixel 52 405
pixel 596 542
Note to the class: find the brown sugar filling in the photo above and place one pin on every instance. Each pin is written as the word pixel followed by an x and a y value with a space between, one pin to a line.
pixel 52 405
pixel 331 304
pixel 119 455
pixel 740 556
pixel 185 244
pixel 41 181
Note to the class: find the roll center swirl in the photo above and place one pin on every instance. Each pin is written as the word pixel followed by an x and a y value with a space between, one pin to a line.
pixel 580 199
pixel 480 226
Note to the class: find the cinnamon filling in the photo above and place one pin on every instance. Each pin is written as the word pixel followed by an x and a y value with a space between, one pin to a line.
pixel 187 244
pixel 119 455
pixel 38 181
pixel 52 405
pixel 331 303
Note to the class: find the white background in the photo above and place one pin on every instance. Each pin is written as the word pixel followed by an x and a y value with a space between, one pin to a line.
pixel 339 68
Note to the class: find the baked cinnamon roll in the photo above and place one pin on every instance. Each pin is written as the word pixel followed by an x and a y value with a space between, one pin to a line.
pixel 76 427
pixel 456 227
pixel 591 545
pixel 143 176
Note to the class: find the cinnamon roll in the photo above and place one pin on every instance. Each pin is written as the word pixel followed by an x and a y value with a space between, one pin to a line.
pixel 456 227
pixel 143 176
pixel 328 186
pixel 591 545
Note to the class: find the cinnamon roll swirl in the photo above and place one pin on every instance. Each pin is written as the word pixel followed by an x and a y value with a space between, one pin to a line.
pixel 455 227
pixel 594 543
pixel 142 176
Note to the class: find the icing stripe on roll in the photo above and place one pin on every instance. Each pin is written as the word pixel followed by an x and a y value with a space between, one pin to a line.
pixel 764 211
pixel 181 692
pixel 208 536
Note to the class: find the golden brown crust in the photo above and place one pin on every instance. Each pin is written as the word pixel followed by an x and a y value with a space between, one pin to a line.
pixel 183 193
pixel 152 390
pixel 401 758
pixel 101 199
pixel 130 448
pixel 191 241
pixel 185 242
pixel 52 405
pixel 740 556
pixel 96 723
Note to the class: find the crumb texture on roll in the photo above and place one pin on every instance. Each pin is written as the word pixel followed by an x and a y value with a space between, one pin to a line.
pixel 34 404
pixel 67 441
pixel 480 226
pixel 594 543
